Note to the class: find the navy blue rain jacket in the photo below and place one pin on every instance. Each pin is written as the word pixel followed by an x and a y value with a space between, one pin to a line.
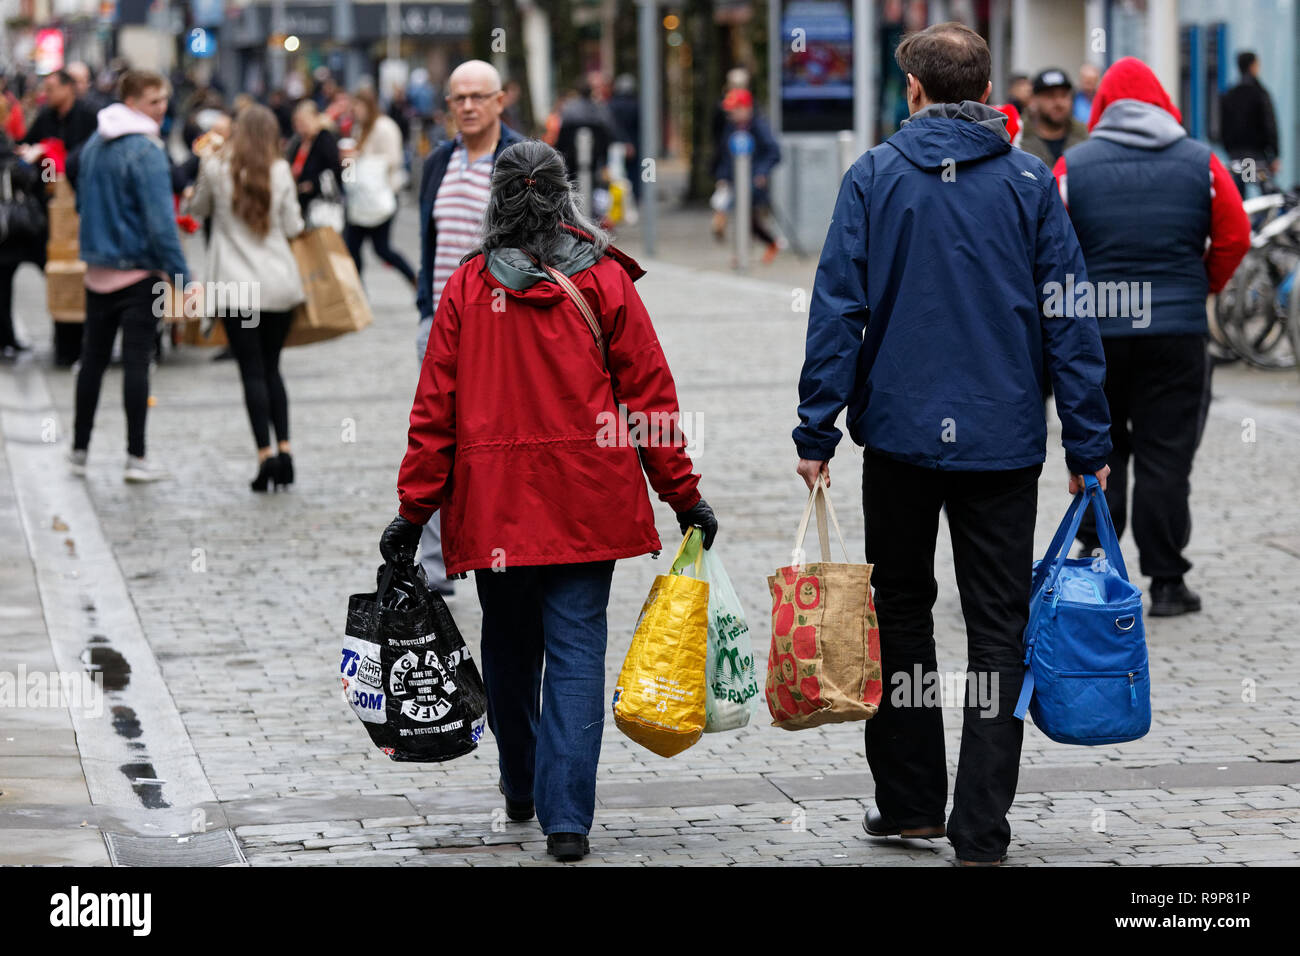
pixel 927 315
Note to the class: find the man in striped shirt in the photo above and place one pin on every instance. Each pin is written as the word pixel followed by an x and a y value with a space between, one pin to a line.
pixel 454 190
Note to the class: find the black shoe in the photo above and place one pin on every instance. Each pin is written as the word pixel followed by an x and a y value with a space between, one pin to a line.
pixel 266 472
pixel 1170 597
pixel 877 826
pixel 223 355
pixel 568 846
pixel 521 811
pixel 284 469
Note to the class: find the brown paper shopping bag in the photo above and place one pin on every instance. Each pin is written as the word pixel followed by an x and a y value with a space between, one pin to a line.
pixel 336 303
pixel 65 290
pixel 823 666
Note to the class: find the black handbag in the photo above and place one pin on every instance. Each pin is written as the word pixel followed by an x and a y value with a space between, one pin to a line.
pixel 22 215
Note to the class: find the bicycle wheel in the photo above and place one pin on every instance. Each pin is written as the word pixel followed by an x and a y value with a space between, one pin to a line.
pixel 1252 321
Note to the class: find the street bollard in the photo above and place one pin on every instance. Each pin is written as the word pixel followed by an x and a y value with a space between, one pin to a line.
pixel 741 145
pixel 584 142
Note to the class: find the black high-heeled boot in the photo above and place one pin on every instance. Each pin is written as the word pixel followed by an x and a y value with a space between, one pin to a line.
pixel 284 469
pixel 266 472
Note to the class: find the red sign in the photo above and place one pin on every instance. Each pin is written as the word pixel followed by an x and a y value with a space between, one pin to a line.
pixel 48 51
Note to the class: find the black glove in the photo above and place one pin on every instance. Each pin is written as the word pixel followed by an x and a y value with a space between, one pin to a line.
pixel 700 516
pixel 399 541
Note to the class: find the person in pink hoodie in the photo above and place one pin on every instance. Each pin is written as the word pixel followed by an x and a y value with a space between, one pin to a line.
pixel 130 243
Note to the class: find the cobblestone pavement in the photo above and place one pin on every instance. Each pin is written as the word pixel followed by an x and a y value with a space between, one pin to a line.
pixel 242 601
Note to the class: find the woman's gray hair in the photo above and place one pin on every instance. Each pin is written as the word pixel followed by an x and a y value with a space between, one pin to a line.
pixel 532 202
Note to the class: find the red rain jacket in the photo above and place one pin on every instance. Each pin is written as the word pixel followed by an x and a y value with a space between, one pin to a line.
pixel 515 433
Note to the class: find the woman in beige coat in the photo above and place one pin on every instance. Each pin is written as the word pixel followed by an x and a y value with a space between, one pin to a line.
pixel 253 282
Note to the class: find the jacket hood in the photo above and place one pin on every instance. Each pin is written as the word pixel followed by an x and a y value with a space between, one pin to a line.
pixel 929 139
pixel 1130 79
pixel 119 120
pixel 1135 123
pixel 522 278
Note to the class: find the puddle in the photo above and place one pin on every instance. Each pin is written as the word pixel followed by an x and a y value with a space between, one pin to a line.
pixel 116 671
pixel 145 783
pixel 125 723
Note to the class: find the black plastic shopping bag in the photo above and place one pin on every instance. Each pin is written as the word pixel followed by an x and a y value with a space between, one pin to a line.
pixel 407 673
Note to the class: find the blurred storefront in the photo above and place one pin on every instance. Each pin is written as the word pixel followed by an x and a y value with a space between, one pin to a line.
pixel 350 39
pixel 1191 44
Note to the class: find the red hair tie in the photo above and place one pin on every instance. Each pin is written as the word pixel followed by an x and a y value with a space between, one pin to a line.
pixel 529 182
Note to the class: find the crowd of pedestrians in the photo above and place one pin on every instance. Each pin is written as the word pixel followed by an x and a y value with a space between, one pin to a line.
pixel 934 331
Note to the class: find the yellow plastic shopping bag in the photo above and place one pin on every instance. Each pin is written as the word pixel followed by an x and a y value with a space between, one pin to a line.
pixel 659 700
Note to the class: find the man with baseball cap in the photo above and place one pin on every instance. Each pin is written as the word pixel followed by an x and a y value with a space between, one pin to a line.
pixel 1050 128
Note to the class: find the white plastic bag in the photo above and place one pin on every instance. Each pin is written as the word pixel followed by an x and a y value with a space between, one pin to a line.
pixel 729 672
pixel 720 201
pixel 370 197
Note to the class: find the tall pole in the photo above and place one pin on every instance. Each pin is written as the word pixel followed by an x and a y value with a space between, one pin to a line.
pixel 394 29
pixel 276 58
pixel 648 42
pixel 864 75
pixel 584 144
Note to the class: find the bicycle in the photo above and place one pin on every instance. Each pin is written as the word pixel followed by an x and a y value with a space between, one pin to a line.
pixel 1252 314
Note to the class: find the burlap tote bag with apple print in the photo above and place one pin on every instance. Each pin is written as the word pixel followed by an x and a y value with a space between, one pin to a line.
pixel 824 663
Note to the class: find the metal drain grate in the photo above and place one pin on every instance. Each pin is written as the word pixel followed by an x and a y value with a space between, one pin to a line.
pixel 215 848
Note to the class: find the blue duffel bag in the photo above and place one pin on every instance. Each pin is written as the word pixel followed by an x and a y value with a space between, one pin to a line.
pixel 1086 677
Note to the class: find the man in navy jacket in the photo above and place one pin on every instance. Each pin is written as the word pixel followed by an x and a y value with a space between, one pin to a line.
pixel 930 322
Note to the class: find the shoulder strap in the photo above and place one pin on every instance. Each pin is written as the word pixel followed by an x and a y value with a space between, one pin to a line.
pixel 571 290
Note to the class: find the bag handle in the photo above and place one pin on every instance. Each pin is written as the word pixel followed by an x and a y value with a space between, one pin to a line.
pixel 1090 495
pixel 821 497
pixel 571 290
pixel 689 552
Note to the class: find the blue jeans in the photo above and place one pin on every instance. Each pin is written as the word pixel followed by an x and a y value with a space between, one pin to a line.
pixel 548 733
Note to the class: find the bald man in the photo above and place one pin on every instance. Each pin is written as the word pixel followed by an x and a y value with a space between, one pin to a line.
pixel 454 189
pixel 86 92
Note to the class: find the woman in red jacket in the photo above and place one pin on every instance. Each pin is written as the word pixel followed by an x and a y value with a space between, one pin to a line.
pixel 515 438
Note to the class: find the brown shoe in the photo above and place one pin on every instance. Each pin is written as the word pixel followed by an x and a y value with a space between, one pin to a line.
pixel 959 862
pixel 719 225
pixel 877 826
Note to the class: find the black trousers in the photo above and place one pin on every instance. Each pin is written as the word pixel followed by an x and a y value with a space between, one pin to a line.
pixel 991 519
pixel 7 270
pixel 131 309
pixel 257 350
pixel 355 236
pixel 1158 390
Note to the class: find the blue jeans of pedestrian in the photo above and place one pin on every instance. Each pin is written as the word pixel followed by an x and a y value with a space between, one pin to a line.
pixel 548 732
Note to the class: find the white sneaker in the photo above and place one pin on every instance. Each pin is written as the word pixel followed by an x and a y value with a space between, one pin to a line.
pixel 139 470
pixel 77 462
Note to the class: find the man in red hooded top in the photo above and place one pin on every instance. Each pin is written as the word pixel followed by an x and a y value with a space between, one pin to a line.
pixel 1161 225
